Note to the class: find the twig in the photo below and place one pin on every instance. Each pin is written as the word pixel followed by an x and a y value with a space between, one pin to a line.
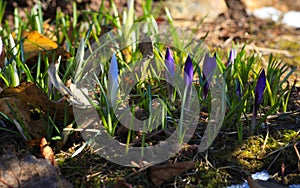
pixel 266 139
pixel 296 150
pixel 4 182
pixel 269 50
pixel 273 161
pixel 207 161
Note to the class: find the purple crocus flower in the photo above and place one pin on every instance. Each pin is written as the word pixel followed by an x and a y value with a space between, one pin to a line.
pixel 188 79
pixel 208 69
pixel 113 79
pixel 1 46
pixel 259 91
pixel 238 88
pixel 169 62
pixel 232 56
pixel 188 70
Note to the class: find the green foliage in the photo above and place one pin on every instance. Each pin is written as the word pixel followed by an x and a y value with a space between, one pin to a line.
pixel 76 36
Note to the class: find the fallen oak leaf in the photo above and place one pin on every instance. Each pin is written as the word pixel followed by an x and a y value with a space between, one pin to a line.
pixel 162 173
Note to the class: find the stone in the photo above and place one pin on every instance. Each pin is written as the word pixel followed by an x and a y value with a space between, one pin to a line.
pixel 26 170
pixel 195 9
pixel 282 5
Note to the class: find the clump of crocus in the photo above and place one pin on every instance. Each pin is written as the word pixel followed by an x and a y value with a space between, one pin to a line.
pixel 208 69
pixel 188 80
pixel 169 62
pixel 113 80
pixel 259 91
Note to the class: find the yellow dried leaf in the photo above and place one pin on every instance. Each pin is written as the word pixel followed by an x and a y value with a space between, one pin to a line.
pixel 34 42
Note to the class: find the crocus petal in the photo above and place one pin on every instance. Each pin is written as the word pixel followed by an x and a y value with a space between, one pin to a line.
pixel 259 89
pixel 2 55
pixel 188 70
pixel 232 56
pixel 113 79
pixel 209 67
pixel 238 89
pixel 169 73
pixel 169 61
pixel 188 80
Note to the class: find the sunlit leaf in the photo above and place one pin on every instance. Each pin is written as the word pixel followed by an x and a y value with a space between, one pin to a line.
pixel 34 42
pixel 79 61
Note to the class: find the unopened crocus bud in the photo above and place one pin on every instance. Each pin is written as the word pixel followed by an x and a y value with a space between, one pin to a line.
pixel 113 79
pixel 188 79
pixel 208 70
pixel 259 91
pixel 232 56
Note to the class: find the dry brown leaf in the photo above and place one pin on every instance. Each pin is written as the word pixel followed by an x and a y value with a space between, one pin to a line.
pixel 29 93
pixel 262 184
pixel 161 173
pixel 26 97
pixel 10 105
pixel 47 153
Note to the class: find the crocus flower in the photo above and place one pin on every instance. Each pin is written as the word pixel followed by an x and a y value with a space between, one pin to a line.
pixel 238 91
pixel 169 62
pixel 1 46
pixel 113 79
pixel 188 79
pixel 232 56
pixel 188 70
pixel 259 91
pixel 2 54
pixel 208 69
